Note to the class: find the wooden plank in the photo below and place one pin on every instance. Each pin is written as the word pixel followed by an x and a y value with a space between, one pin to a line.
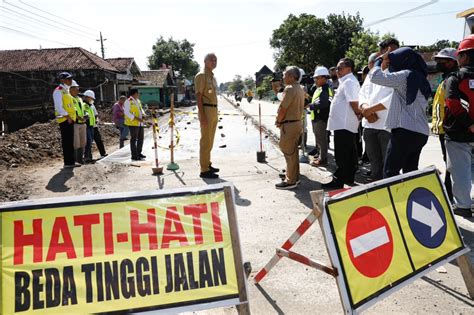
pixel 467 272
pixel 244 308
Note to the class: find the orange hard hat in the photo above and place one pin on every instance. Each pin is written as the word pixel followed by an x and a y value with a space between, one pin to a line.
pixel 466 44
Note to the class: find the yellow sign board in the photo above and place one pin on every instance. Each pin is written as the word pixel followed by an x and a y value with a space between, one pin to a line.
pixel 383 235
pixel 138 252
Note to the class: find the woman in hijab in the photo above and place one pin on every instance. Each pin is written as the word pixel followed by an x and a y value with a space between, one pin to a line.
pixel 406 116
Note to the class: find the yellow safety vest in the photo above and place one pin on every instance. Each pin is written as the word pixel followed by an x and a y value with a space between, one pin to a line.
pixel 316 95
pixel 68 105
pixel 80 108
pixel 439 108
pixel 135 109
pixel 90 111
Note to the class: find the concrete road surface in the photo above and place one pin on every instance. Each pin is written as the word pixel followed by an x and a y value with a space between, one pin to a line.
pixel 267 217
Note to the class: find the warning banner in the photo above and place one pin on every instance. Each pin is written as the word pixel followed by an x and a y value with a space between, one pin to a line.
pixel 123 253
pixel 383 235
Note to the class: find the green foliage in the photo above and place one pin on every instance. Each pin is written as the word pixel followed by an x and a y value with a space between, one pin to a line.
pixel 265 87
pixel 249 83
pixel 363 44
pixel 176 53
pixel 341 29
pixel 237 84
pixel 438 45
pixel 306 41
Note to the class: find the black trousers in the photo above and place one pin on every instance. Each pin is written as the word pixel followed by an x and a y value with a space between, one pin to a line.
pixel 67 142
pixel 447 177
pixel 345 153
pixel 98 141
pixel 403 151
pixel 136 140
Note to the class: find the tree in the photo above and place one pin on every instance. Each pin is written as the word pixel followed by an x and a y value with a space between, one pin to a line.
pixel 301 41
pixel 363 44
pixel 265 87
pixel 438 45
pixel 237 84
pixel 306 41
pixel 249 83
pixel 176 53
pixel 342 29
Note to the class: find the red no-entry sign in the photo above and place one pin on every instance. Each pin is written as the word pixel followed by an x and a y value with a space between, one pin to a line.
pixel 369 241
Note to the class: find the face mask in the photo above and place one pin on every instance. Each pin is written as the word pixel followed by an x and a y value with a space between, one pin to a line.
pixel 441 67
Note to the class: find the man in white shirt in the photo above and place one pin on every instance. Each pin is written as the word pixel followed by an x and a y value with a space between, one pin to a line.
pixel 344 116
pixel 374 101
pixel 65 113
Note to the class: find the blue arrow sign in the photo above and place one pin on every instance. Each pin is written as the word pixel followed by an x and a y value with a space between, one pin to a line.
pixel 426 218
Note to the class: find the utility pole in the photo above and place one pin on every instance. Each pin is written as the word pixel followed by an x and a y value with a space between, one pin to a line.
pixel 101 40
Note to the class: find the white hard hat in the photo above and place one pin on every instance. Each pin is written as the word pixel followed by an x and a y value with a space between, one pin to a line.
pixel 320 71
pixel 90 93
pixel 74 84
pixel 302 73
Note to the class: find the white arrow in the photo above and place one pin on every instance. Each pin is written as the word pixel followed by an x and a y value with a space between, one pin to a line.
pixel 427 216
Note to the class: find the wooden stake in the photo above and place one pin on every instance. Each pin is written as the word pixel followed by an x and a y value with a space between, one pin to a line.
pixel 244 308
pixel 467 272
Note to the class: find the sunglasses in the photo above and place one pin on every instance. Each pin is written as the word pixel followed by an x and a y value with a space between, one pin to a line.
pixel 339 68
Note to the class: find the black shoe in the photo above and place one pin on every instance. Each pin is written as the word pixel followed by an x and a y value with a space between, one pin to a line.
pixel 103 156
pixel 466 213
pixel 142 156
pixel 135 158
pixel 313 152
pixel 285 185
pixel 334 184
pixel 213 169
pixel 208 174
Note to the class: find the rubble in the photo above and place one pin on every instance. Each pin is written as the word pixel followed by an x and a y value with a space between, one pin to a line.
pixel 41 141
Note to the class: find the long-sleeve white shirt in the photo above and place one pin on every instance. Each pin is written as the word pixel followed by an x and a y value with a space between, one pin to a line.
pixel 373 94
pixel 58 100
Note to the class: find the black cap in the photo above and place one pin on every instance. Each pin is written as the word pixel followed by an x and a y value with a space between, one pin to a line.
pixel 65 75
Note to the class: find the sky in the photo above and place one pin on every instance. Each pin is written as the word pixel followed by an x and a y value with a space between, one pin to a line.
pixel 238 32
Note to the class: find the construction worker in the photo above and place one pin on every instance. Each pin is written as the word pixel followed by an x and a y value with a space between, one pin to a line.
pixel 291 127
pixel 206 93
pixel 134 119
pixel 446 63
pixel 93 133
pixel 319 108
pixel 65 113
pixel 459 126
pixel 249 95
pixel 80 128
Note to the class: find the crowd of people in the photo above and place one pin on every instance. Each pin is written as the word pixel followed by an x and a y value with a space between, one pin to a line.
pixel 78 121
pixel 77 118
pixel 391 109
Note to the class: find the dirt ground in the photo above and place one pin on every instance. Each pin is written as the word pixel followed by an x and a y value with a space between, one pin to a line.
pixel 33 148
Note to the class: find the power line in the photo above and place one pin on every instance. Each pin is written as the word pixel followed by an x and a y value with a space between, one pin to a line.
pixel 33 36
pixel 431 14
pixel 402 13
pixel 87 34
pixel 48 19
pixel 75 23
pixel 32 32
pixel 13 18
pixel 51 25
